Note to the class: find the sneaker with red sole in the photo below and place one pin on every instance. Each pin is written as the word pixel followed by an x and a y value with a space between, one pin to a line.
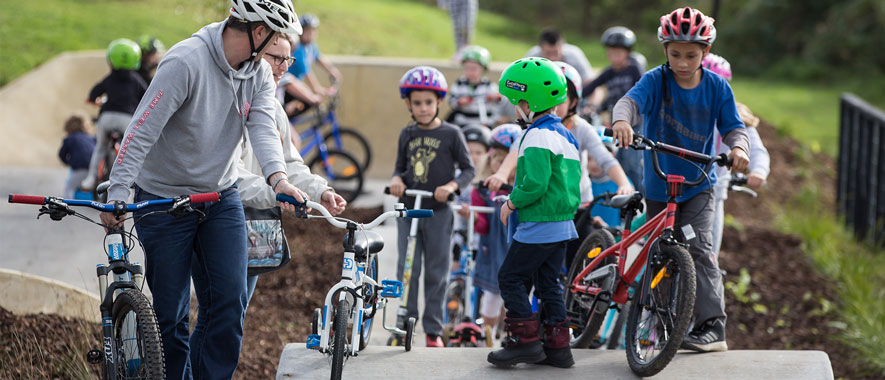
pixel 434 341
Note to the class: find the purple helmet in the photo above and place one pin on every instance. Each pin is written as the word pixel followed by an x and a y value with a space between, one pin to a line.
pixel 504 135
pixel 718 65
pixel 423 78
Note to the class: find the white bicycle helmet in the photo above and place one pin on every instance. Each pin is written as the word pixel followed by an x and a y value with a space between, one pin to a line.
pixel 279 15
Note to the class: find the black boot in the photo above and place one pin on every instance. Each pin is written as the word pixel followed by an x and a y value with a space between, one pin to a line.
pixel 522 344
pixel 556 345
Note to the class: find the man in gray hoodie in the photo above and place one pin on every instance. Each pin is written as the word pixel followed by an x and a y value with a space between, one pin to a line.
pixel 208 91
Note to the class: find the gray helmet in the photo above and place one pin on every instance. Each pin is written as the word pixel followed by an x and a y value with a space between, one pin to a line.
pixel 477 133
pixel 618 36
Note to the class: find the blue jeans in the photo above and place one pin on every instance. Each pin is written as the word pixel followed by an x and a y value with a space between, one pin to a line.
pixel 211 248
pixel 251 282
pixel 528 264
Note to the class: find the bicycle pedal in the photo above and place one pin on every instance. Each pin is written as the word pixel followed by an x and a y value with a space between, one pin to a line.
pixel 313 342
pixel 391 289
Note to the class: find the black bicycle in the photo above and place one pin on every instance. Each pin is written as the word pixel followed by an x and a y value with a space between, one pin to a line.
pixel 132 348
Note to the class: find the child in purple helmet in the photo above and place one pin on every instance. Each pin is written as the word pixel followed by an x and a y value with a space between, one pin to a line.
pixel 428 152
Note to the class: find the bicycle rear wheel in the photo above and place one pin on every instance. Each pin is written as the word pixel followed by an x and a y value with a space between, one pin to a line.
pixel 661 310
pixel 341 170
pixel 137 338
pixel 350 141
pixel 587 315
pixel 339 342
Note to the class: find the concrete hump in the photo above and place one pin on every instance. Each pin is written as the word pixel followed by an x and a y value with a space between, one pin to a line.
pixel 381 362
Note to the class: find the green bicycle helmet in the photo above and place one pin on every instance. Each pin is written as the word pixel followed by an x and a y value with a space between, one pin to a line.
pixel 538 81
pixel 477 54
pixel 124 54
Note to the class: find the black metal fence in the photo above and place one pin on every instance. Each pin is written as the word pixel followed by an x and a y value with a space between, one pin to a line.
pixel 860 196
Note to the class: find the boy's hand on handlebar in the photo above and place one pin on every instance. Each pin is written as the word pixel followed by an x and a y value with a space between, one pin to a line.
pixel 464 211
pixel 333 202
pixel 623 133
pixel 739 158
pixel 494 182
pixel 441 194
pixel 464 100
pixel 397 187
pixel 626 190
pixel 755 180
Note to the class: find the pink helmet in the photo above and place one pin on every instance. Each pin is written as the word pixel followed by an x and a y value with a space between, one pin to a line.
pixel 687 25
pixel 718 65
pixel 423 78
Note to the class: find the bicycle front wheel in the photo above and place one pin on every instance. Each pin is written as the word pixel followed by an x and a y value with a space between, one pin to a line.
pixel 339 338
pixel 350 141
pixel 585 313
pixel 661 310
pixel 341 170
pixel 137 338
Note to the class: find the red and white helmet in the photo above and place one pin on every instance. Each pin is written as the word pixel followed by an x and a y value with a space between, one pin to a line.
pixel 279 15
pixel 718 65
pixel 687 25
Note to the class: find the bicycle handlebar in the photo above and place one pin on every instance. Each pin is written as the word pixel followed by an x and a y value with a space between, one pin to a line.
pixel 642 143
pixel 504 187
pixel 343 225
pixel 111 207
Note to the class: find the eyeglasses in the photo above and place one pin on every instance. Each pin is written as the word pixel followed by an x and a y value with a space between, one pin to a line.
pixel 278 60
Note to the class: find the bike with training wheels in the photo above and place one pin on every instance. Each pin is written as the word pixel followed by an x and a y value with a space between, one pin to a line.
pixel 354 300
pixel 461 320
pixel 342 154
pixel 132 347
pixel 663 274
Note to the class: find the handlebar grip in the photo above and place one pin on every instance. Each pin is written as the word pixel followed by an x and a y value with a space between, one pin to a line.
pixel 608 132
pixel 386 189
pixel 28 199
pixel 504 187
pixel 204 197
pixel 289 199
pixel 724 160
pixel 420 213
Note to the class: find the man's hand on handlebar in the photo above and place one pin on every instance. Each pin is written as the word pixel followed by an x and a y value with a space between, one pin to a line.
pixel 626 190
pixel 397 187
pixel 109 219
pixel 623 133
pixel 739 158
pixel 284 187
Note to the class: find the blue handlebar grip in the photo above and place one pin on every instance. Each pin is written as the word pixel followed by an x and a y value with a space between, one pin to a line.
pixel 288 198
pixel 419 213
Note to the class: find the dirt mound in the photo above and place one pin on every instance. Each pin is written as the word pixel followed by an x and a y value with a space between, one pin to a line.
pixel 45 346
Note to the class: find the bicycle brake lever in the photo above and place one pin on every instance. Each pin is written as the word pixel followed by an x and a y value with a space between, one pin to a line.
pixel 181 207
pixel 56 210
pixel 301 211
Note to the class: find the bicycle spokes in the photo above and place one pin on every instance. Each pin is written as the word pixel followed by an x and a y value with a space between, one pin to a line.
pixel 657 319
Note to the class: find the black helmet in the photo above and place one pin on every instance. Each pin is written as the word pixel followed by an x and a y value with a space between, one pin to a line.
pixel 477 133
pixel 309 20
pixel 618 36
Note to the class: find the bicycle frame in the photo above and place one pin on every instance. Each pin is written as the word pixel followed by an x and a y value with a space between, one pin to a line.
pixel 656 227
pixel 468 263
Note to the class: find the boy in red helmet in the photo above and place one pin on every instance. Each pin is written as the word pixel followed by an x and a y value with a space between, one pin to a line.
pixel 681 103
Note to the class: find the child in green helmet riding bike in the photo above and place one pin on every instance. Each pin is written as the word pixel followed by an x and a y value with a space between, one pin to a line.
pixel 546 195
pixel 474 99
pixel 124 89
pixel 681 103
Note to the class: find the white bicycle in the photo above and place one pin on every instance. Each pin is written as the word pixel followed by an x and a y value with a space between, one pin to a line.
pixel 353 301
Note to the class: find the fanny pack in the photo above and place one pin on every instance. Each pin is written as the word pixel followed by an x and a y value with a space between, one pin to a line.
pixel 266 241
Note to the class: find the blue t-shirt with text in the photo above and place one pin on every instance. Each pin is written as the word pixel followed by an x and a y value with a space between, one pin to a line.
pixel 687 123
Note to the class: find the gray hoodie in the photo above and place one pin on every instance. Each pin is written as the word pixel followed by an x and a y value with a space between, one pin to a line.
pixel 183 135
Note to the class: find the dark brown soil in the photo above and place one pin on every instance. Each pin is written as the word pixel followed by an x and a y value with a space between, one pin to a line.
pixel 787 306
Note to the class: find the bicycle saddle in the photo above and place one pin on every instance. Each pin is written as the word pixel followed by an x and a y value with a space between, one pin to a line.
pixel 367 240
pixel 619 201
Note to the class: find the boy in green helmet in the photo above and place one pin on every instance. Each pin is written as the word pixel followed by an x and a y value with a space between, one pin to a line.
pixel 546 195
pixel 474 99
